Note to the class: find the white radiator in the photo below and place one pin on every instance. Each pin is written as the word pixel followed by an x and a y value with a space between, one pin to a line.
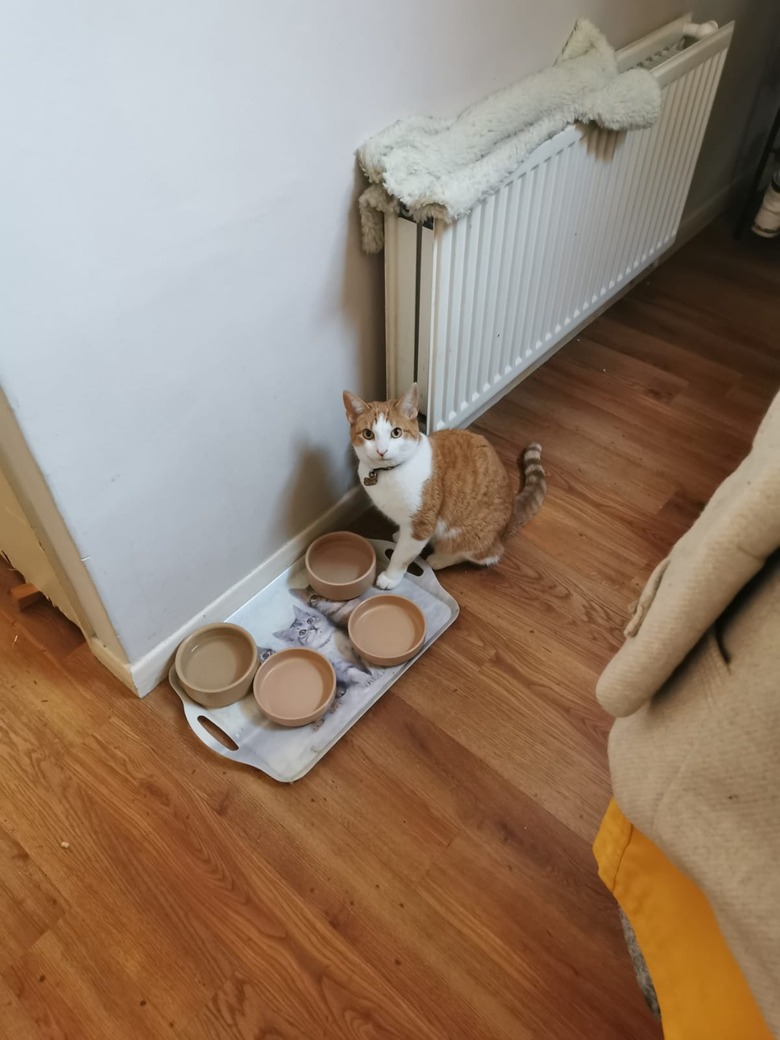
pixel 473 306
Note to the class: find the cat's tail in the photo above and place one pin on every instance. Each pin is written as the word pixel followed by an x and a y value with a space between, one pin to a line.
pixel 528 500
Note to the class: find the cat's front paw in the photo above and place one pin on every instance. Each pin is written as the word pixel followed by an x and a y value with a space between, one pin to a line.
pixel 388 580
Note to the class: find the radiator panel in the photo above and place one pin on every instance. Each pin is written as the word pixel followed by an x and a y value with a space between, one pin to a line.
pixel 492 294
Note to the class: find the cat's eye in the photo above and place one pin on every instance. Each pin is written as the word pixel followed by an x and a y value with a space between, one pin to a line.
pixel 397 432
pixel 368 435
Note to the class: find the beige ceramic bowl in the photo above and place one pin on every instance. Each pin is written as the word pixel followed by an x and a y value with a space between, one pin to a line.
pixel 341 565
pixel 216 664
pixel 294 687
pixel 387 630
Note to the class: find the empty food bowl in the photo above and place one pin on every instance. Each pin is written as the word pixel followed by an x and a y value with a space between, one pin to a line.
pixel 295 687
pixel 341 565
pixel 387 630
pixel 216 664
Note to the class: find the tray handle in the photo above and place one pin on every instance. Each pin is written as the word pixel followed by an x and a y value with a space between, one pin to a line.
pixel 194 713
pixel 206 737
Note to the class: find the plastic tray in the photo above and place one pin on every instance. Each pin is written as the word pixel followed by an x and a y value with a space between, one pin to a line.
pixel 288 613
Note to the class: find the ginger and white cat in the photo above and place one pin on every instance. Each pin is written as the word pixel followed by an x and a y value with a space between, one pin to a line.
pixel 449 489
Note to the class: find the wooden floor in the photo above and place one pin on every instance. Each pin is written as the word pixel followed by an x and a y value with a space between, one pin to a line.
pixel 432 878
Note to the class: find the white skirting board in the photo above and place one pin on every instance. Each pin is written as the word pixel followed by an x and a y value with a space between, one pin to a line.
pixel 143 675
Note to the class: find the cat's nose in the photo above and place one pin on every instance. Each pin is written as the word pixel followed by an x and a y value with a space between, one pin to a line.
pixel 381 454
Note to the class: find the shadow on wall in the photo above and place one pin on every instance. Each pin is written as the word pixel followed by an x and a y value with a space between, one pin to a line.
pixel 318 476
pixel 363 301
pixel 315 479
pixel 746 101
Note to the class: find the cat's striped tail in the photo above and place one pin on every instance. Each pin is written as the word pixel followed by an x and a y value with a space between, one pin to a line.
pixel 528 500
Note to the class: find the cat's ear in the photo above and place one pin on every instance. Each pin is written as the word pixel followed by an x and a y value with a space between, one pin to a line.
pixel 353 405
pixel 407 405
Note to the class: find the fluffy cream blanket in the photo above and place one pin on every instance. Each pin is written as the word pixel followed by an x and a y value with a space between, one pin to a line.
pixel 442 168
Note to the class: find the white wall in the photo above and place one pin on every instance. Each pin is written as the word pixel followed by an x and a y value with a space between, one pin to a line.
pixel 184 295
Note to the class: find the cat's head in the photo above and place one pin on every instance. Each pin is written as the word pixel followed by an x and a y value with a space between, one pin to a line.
pixel 384 433
pixel 304 625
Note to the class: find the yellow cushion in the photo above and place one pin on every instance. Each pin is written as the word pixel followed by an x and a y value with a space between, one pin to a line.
pixel 701 991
